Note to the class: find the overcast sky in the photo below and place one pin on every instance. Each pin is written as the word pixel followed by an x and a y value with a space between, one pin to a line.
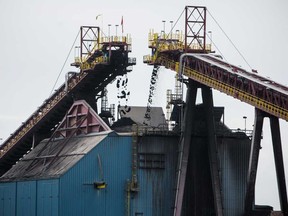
pixel 36 37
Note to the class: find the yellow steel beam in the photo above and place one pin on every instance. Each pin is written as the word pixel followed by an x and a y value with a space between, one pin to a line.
pixel 225 88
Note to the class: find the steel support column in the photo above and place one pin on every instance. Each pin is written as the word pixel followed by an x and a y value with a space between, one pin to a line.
pixel 278 157
pixel 254 157
pixel 253 161
pixel 212 148
pixel 185 140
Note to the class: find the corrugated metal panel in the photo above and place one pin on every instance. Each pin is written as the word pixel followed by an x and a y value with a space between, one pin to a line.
pixel 115 156
pixel 156 184
pixel 234 160
pixel 42 161
pixel 7 199
pixel 48 197
pixel 26 198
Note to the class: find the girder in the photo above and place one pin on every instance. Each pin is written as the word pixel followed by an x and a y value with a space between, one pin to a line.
pixel 260 92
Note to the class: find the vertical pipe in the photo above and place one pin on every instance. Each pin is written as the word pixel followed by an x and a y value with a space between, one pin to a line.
pixel 134 183
pixel 98 36
pixel 128 198
pixel 33 141
pixel 67 79
pixel 168 106
pixel 81 43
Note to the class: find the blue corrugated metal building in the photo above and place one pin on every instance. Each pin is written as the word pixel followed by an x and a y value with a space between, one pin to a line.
pixel 68 187
pixel 108 173
pixel 70 190
pixel 157 157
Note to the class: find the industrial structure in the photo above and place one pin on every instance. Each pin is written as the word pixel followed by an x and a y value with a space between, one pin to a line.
pixel 69 159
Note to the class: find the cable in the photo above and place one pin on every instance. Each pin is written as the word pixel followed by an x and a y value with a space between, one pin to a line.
pixel 175 23
pixel 64 63
pixel 230 40
pixel 219 51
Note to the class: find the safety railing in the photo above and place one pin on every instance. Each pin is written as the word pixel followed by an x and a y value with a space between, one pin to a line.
pixel 85 65
pixel 148 59
pixel 117 39
pixel 197 46
pixel 178 36
pixel 82 61
pixel 173 41
pixel 98 60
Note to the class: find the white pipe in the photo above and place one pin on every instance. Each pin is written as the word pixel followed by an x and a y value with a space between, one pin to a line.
pixel 181 62
pixel 180 73
pixel 67 78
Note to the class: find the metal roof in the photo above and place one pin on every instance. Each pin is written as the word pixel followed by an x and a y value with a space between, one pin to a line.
pixel 53 159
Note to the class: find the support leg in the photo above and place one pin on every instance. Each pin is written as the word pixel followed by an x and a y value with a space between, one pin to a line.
pixel 212 148
pixel 278 157
pixel 185 140
pixel 253 161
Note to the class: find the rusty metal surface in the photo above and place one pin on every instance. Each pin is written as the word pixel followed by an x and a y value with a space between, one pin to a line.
pixel 73 151
pixel 157 157
pixel 195 28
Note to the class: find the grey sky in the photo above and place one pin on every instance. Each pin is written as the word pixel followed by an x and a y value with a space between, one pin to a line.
pixel 37 35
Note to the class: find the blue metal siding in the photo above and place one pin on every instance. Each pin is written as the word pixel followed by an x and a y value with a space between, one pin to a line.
pixel 157 186
pixel 116 160
pixel 47 197
pixel 26 198
pixel 234 160
pixel 77 193
pixel 7 199
pixel 74 192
